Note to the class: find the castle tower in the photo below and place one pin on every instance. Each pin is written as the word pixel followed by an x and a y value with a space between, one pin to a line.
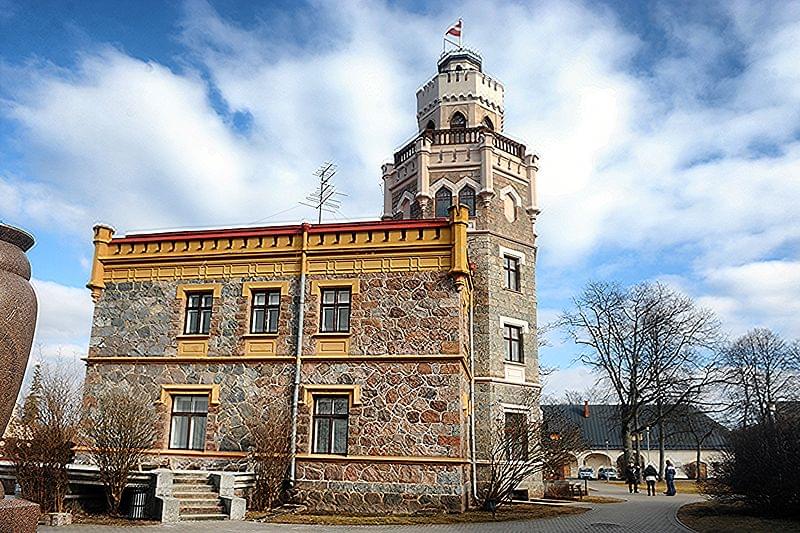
pixel 461 156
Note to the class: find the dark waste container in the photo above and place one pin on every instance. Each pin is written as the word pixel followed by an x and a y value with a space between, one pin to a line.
pixel 137 500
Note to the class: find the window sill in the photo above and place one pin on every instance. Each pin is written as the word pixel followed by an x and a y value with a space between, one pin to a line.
pixel 193 336
pixel 260 335
pixel 332 334
pixel 515 291
pixel 515 363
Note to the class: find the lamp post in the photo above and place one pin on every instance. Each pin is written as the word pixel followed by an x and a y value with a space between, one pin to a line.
pixel 648 444
pixel 609 458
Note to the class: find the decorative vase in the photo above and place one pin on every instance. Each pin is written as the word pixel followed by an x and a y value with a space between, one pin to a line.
pixel 17 316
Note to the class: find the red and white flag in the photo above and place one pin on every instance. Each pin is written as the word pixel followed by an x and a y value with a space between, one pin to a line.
pixel 454 30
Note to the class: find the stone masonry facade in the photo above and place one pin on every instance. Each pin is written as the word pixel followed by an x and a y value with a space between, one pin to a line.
pixel 422 361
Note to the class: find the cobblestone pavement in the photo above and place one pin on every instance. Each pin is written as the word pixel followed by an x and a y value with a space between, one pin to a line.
pixel 639 514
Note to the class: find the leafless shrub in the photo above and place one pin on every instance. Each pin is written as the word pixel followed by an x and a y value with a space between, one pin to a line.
pixel 520 445
pixel 43 435
pixel 561 441
pixel 120 428
pixel 270 453
pixel 761 469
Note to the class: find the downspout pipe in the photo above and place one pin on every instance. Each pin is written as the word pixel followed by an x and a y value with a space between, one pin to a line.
pixel 472 439
pixel 298 353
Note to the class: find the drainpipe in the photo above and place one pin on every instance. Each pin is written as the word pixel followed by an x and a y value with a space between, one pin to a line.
pixel 298 352
pixel 472 397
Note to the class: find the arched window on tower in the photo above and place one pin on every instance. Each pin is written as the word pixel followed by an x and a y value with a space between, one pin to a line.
pixel 458 120
pixel 466 197
pixel 444 199
pixel 487 122
pixel 431 125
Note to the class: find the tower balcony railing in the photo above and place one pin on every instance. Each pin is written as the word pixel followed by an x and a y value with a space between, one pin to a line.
pixel 460 136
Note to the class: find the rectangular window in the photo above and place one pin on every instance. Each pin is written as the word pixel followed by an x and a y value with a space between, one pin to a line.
pixel 335 311
pixel 330 424
pixel 516 436
pixel 266 309
pixel 198 313
pixel 188 431
pixel 512 337
pixel 511 267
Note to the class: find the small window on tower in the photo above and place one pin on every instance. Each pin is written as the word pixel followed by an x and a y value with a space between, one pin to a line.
pixel 487 122
pixel 431 125
pixel 458 120
pixel 466 197
pixel 444 199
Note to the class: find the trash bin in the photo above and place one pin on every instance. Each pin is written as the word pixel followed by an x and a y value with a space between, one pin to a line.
pixel 137 500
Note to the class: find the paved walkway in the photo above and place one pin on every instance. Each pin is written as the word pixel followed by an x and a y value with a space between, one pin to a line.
pixel 641 513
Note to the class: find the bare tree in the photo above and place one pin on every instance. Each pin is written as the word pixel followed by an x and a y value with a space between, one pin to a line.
pixel 121 427
pixel 513 450
pixel 44 434
pixel 762 370
pixel 561 440
pixel 270 452
pixel 649 343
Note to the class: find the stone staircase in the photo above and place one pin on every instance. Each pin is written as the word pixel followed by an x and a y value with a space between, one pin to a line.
pixel 198 497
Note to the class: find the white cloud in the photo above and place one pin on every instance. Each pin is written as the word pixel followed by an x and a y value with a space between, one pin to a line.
pixel 639 151
pixel 577 378
pixel 759 294
pixel 64 319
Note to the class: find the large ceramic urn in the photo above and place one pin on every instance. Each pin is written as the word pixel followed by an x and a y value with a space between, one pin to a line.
pixel 17 316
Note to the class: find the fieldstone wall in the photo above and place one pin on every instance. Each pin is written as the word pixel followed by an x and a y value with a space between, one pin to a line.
pixel 407 408
pixel 373 488
pixel 397 313
pixel 241 387
pixel 145 319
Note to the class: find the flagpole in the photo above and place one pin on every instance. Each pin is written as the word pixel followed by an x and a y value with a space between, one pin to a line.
pixel 460 33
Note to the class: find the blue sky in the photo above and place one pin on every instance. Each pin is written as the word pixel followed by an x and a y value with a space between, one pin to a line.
pixel 669 134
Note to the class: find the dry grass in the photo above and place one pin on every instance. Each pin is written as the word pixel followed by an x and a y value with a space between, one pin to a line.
pixel 599 499
pixel 504 514
pixel 106 520
pixel 683 486
pixel 710 516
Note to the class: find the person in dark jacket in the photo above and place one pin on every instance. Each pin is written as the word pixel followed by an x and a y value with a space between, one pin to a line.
pixel 650 476
pixel 632 478
pixel 669 476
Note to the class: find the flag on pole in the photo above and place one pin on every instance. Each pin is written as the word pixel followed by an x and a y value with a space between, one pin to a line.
pixel 454 31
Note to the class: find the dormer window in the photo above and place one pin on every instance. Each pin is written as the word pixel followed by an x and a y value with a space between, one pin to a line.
pixel 458 120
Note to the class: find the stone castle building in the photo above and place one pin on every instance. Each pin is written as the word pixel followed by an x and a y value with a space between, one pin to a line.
pixel 395 344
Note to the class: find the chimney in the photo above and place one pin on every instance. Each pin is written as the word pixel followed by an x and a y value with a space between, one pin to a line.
pixel 586 409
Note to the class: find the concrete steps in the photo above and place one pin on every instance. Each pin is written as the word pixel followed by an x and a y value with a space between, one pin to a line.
pixel 197 497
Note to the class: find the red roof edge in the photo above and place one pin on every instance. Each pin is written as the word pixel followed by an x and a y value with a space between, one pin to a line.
pixel 296 229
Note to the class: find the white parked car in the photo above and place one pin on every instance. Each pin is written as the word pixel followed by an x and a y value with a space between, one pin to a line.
pixel 586 472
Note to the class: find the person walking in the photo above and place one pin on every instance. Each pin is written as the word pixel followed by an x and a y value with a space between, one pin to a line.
pixel 669 475
pixel 650 476
pixel 632 478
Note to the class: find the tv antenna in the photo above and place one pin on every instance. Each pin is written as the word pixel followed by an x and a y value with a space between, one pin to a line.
pixel 325 198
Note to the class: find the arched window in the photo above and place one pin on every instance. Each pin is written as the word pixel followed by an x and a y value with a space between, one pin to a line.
pixel 431 125
pixel 458 120
pixel 466 197
pixel 444 199
pixel 488 123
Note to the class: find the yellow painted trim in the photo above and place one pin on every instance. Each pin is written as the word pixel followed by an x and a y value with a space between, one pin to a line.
pixel 169 390
pixel 309 390
pixel 318 284
pixel 214 360
pixel 249 286
pixel 333 345
pixel 192 453
pixel 102 237
pixel 459 220
pixel 185 288
pixel 197 347
pixel 260 346
pixel 310 457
